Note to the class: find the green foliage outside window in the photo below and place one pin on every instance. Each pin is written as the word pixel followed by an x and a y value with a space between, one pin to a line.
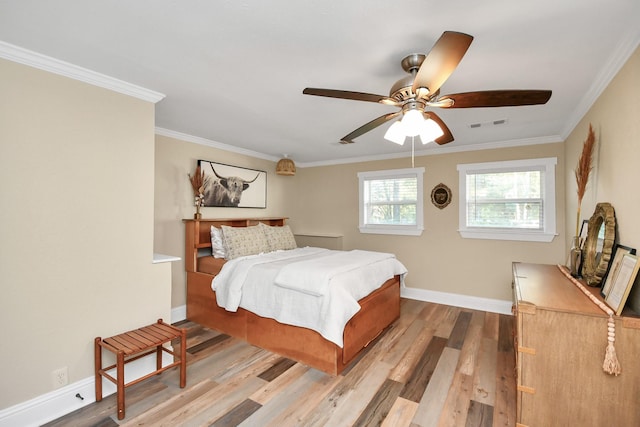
pixel 505 200
pixel 391 201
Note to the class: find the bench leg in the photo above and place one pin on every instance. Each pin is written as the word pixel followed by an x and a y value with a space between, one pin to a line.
pixel 120 383
pixel 98 367
pixel 158 358
pixel 183 358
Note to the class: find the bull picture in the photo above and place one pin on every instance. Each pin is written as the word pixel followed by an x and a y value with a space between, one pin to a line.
pixel 226 191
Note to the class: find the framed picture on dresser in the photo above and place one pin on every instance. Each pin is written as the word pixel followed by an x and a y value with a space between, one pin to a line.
pixel 622 282
pixel 619 252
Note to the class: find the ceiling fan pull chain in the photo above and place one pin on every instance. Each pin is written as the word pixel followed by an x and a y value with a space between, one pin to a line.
pixel 413 152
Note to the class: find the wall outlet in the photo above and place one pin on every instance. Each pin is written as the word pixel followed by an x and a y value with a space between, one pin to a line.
pixel 60 377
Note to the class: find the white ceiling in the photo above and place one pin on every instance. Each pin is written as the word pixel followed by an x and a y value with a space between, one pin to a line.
pixel 233 71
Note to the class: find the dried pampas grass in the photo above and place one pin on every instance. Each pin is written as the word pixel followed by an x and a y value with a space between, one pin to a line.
pixel 583 170
pixel 197 181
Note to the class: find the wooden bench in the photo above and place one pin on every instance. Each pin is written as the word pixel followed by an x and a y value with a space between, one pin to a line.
pixel 133 345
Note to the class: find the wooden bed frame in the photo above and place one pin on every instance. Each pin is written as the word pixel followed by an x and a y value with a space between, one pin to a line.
pixel 379 310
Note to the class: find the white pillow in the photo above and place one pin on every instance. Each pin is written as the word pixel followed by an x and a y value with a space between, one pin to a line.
pixel 279 238
pixel 243 241
pixel 217 244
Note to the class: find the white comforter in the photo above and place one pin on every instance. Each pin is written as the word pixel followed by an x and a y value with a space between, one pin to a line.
pixel 324 305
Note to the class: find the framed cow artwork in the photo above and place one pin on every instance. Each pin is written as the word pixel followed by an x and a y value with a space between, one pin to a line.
pixel 233 186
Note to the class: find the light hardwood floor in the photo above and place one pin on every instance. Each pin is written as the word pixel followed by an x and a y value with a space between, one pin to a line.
pixel 435 366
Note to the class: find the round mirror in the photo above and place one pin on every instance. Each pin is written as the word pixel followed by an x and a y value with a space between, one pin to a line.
pixel 601 236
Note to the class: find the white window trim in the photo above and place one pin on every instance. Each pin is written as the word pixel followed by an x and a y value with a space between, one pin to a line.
pixel 546 235
pixel 405 230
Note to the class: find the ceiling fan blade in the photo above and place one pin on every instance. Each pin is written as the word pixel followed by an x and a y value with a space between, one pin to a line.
pixel 348 139
pixel 345 94
pixel 448 136
pixel 441 61
pixel 497 98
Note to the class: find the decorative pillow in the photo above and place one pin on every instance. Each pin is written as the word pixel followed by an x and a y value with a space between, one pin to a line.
pixel 243 241
pixel 217 244
pixel 279 238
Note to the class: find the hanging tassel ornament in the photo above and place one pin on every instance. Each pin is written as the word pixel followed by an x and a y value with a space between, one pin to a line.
pixel 611 365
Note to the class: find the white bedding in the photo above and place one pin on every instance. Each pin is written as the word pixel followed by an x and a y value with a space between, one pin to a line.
pixel 325 306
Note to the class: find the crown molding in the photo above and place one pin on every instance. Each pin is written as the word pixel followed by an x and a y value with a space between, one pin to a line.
pixel 56 66
pixel 611 68
pixel 618 58
pixel 213 144
pixel 437 150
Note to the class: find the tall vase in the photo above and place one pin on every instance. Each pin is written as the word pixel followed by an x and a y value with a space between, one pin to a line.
pixel 199 203
pixel 575 256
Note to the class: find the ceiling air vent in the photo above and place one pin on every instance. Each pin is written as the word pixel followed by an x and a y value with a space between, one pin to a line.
pixel 485 124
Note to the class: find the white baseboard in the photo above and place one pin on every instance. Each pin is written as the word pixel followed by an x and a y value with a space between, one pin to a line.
pixel 63 401
pixel 178 313
pixel 456 300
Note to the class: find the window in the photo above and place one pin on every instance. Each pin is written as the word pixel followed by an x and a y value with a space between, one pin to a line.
pixel 391 201
pixel 512 200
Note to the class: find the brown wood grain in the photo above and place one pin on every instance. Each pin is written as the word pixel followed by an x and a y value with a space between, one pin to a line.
pixel 277 369
pixel 561 380
pixel 237 414
pixel 416 384
pixel 456 337
pixel 231 382
pixel 400 414
pixel 479 415
pixel 380 405
pixel 456 406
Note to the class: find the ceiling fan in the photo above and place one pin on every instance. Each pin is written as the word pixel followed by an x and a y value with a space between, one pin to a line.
pixel 421 90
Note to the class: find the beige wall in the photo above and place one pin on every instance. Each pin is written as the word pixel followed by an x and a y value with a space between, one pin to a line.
pixel 174 160
pixel 439 260
pixel 77 234
pixel 615 117
pixel 76 226
pixel 324 200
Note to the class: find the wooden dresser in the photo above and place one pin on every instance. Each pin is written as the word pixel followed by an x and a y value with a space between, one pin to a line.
pixel 560 342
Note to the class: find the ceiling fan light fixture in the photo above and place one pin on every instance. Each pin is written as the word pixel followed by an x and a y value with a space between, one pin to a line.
pixel 395 133
pixel 430 131
pixel 422 92
pixel 420 89
pixel 412 122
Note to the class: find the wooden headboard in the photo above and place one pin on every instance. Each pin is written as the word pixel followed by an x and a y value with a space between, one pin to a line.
pixel 198 234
